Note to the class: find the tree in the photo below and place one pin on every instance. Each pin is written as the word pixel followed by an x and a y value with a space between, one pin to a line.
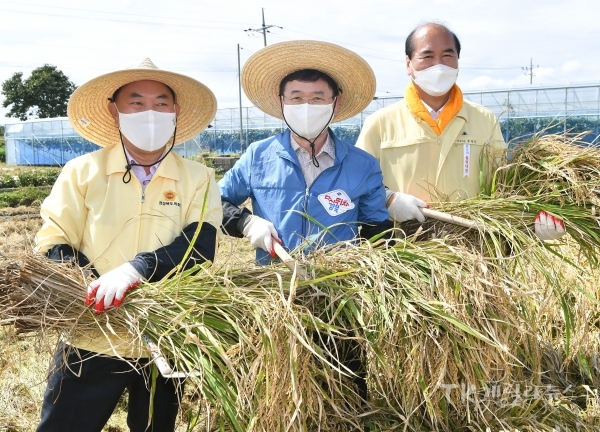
pixel 2 145
pixel 44 94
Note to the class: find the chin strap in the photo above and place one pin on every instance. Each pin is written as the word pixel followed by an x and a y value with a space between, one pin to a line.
pixel 130 165
pixel 312 143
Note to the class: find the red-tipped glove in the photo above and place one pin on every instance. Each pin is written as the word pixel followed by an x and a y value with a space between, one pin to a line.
pixel 548 227
pixel 261 233
pixel 110 288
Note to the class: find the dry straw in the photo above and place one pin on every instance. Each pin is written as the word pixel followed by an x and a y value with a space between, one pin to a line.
pixel 465 330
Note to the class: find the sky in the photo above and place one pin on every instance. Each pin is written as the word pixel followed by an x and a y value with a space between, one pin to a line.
pixel 199 38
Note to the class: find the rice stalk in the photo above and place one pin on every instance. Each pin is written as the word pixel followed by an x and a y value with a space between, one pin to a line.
pixel 427 316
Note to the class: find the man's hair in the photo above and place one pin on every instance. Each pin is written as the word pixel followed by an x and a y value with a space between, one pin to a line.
pixel 309 75
pixel 409 45
pixel 117 91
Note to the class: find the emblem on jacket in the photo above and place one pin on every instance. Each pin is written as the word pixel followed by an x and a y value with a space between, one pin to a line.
pixel 169 195
pixel 336 202
pixel 169 199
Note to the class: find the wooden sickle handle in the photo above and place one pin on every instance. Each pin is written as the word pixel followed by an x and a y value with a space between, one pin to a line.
pixel 290 262
pixel 446 217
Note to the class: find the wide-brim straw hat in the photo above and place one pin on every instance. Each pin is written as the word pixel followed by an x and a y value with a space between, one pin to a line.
pixel 88 112
pixel 265 69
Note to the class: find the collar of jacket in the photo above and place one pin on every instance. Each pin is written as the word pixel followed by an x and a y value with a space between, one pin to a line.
pixel 451 109
pixel 285 149
pixel 116 164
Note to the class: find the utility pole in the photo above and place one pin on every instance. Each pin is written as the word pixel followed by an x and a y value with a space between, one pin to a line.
pixel 240 93
pixel 264 29
pixel 529 70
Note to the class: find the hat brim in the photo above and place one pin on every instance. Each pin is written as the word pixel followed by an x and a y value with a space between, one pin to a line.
pixel 88 106
pixel 264 70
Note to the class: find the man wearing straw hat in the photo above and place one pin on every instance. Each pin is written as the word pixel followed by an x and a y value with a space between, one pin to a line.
pixel 431 143
pixel 307 187
pixel 128 210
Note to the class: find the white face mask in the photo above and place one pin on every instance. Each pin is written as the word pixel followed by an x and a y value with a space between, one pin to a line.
pixel 148 130
pixel 436 80
pixel 306 120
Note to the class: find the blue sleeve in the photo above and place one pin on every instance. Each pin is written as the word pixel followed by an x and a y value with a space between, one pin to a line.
pixel 235 185
pixel 372 206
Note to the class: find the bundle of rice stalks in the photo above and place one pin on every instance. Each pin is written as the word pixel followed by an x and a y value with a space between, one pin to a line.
pixel 442 325
pixel 506 224
pixel 246 345
pixel 560 168
pixel 555 173
pixel 427 318
pixel 562 306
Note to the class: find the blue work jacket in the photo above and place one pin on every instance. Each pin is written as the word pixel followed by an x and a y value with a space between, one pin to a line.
pixel 341 198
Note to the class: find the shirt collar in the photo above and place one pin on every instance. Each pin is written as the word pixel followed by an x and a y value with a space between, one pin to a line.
pixel 131 160
pixel 434 114
pixel 328 147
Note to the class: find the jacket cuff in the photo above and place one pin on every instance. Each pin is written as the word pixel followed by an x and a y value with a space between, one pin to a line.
pixel 144 263
pixel 67 253
pixel 389 194
pixel 243 221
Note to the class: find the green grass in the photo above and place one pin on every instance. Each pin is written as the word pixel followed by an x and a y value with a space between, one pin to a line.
pixel 29 196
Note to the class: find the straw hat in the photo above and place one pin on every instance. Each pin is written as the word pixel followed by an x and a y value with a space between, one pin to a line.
pixel 89 115
pixel 265 69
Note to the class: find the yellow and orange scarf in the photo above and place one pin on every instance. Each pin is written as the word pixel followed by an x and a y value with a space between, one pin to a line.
pixel 452 107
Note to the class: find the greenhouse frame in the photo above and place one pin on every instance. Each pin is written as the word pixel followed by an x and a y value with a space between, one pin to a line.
pixel 522 112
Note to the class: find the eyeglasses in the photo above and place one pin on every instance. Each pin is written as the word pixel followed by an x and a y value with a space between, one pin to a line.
pixel 315 100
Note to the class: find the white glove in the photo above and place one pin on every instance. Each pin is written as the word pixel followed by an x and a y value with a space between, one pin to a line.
pixel 403 207
pixel 548 227
pixel 110 288
pixel 260 232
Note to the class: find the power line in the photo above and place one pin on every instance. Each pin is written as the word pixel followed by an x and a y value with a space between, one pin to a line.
pixel 264 29
pixel 529 70
pixel 396 57
pixel 96 18
pixel 162 17
pixel 240 98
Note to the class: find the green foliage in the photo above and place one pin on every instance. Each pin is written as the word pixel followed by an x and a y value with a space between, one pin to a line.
pixel 8 181
pixel 44 94
pixel 23 197
pixel 347 134
pixel 228 142
pixel 45 177
pixel 521 129
pixel 2 145
pixel 203 159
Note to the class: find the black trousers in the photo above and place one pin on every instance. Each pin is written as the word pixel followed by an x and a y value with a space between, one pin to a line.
pixel 84 388
pixel 348 354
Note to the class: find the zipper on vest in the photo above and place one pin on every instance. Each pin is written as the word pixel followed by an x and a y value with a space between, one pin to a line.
pixel 143 196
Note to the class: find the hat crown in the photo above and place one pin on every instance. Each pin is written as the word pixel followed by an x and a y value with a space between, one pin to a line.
pixel 145 64
pixel 265 69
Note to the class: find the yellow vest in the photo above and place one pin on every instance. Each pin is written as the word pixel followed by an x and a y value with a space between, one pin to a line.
pixel 110 222
pixel 415 160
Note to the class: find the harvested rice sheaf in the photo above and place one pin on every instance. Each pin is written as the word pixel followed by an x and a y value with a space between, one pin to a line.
pixel 558 167
pixel 459 330
pixel 427 316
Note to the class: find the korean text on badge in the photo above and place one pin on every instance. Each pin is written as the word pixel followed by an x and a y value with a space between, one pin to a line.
pixel 336 202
